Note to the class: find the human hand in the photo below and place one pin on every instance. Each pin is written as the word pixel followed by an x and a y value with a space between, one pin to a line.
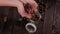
pixel 33 6
pixel 20 6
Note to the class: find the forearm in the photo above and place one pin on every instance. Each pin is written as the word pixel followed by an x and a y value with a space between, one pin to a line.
pixel 7 3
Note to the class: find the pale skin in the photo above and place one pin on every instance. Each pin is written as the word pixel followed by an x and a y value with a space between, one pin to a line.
pixel 20 6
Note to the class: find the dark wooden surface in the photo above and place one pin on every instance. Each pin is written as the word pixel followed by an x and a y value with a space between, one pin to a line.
pixel 49 25
pixel 52 19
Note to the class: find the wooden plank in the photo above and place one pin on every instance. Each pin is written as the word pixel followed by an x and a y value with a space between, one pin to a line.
pixel 48 21
pixel 57 25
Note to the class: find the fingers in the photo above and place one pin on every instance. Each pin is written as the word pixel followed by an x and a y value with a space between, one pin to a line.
pixel 32 3
pixel 21 10
pixel 34 6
